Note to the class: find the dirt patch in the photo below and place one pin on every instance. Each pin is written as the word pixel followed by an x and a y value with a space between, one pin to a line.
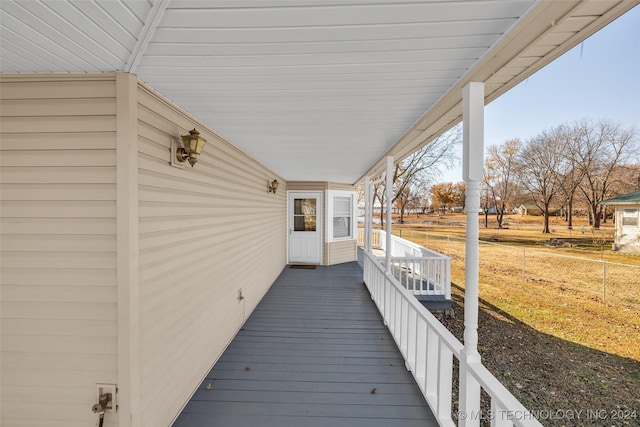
pixel 563 383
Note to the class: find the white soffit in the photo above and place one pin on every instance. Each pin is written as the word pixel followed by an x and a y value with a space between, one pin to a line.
pixel 316 90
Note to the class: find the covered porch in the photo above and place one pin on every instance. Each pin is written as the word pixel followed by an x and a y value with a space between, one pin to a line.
pixel 125 270
pixel 315 352
pixel 347 345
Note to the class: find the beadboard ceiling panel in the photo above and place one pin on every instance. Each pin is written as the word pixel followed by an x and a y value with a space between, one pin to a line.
pixel 317 90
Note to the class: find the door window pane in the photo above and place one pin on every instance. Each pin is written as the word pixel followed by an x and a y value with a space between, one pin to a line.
pixel 304 214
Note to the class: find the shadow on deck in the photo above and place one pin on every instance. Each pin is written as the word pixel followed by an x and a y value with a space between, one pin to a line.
pixel 313 353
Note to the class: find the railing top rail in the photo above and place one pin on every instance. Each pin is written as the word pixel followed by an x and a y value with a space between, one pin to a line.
pixel 445 335
pixel 418 258
pixel 499 393
pixel 433 253
pixel 414 245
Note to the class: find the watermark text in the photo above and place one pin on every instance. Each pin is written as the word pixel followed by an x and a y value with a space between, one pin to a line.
pixel 552 414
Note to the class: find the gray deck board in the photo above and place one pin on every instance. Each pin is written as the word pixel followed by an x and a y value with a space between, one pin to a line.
pixel 313 353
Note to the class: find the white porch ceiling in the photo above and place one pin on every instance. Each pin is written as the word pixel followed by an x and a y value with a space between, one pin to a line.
pixel 315 90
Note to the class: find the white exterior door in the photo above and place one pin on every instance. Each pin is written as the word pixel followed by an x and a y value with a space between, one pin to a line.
pixel 305 227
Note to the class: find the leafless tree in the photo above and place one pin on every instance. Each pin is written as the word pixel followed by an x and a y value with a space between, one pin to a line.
pixel 500 176
pixel 626 179
pixel 606 146
pixel 420 201
pixel 402 200
pixel 539 162
pixel 571 171
pixel 423 166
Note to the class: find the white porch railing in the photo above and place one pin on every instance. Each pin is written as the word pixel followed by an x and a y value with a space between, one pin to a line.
pixel 428 349
pixel 420 270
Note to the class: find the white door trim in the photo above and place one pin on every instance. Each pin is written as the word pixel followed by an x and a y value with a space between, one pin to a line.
pixel 291 195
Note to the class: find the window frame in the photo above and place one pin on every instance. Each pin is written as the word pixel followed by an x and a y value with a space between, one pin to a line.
pixel 331 195
pixel 630 217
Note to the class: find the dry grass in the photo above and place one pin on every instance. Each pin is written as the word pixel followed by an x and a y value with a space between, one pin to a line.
pixel 559 294
pixel 554 336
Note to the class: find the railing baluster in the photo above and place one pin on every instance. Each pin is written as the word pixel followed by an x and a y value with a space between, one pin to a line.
pixel 399 316
pixel 403 329
pixel 429 281
pixel 432 364
pixel 412 339
pixel 445 381
pixel 414 271
pixel 394 316
pixel 420 371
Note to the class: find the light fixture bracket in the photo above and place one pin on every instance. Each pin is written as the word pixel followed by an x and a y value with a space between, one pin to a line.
pixel 177 148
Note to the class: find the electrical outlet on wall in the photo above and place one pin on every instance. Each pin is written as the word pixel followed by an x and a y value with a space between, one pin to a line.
pixel 101 389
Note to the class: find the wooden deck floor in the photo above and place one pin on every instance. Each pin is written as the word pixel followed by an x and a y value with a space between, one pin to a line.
pixel 314 353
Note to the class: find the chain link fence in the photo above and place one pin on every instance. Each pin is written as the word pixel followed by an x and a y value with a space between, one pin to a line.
pixel 598 280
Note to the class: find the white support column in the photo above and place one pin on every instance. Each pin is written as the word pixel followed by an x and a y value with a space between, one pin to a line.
pixel 388 197
pixel 367 214
pixel 472 169
pixel 472 166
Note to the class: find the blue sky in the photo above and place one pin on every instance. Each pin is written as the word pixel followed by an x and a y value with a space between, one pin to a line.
pixel 599 79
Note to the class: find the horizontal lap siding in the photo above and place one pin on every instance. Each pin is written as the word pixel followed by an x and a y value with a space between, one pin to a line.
pixel 205 233
pixel 58 248
pixel 340 252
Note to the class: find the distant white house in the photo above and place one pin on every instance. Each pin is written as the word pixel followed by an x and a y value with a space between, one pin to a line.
pixel 523 210
pixel 627 221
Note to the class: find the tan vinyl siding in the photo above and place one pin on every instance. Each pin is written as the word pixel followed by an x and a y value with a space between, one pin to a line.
pixel 116 266
pixel 58 247
pixel 306 186
pixel 338 186
pixel 205 233
pixel 339 252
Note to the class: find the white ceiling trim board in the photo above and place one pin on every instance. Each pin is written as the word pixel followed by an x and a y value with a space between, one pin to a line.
pixel 150 25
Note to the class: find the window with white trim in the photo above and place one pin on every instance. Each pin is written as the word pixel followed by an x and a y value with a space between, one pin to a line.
pixel 341 215
pixel 630 217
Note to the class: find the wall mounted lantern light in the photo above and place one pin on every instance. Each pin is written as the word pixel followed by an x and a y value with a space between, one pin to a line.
pixel 192 147
pixel 272 186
